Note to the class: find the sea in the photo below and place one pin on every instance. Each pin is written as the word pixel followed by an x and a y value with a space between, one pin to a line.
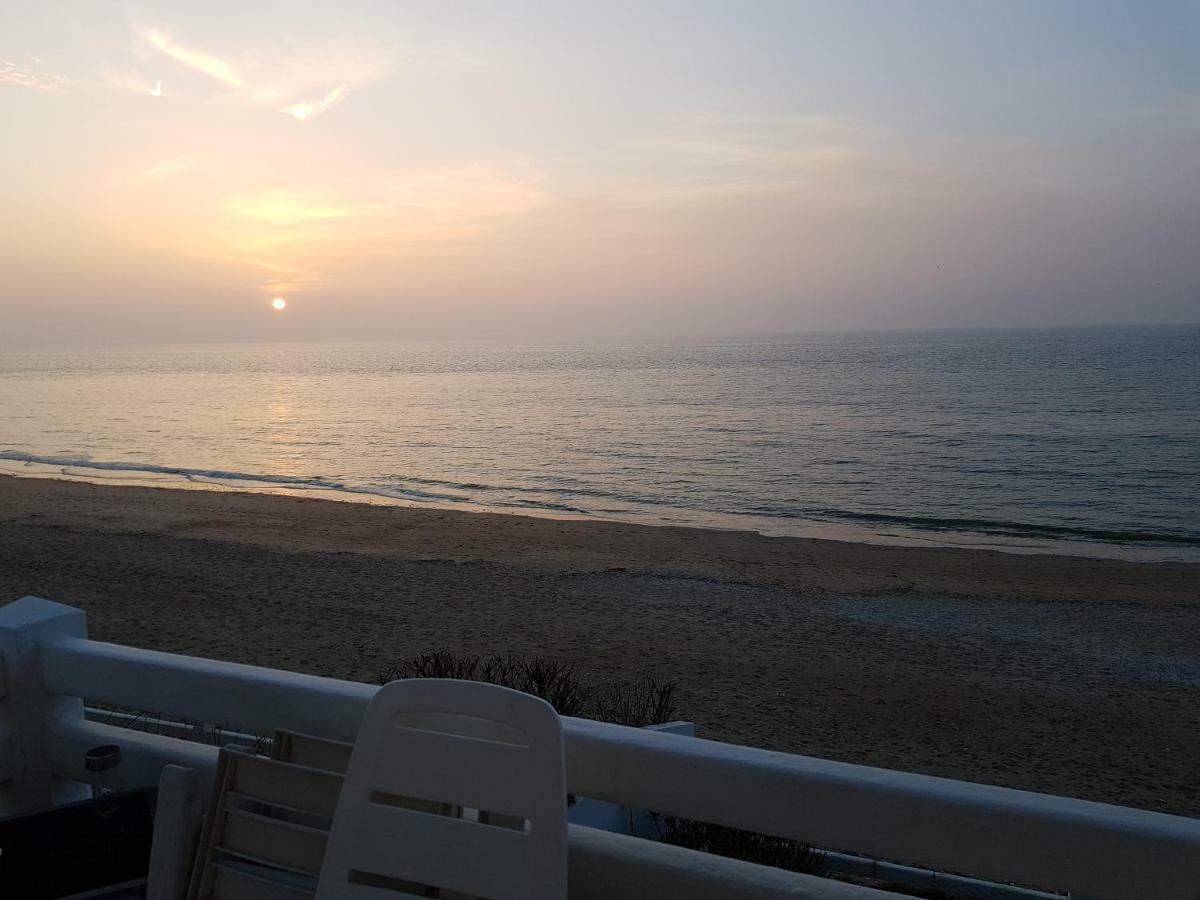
pixel 1085 442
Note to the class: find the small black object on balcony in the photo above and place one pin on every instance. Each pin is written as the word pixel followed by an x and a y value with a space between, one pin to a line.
pixel 101 764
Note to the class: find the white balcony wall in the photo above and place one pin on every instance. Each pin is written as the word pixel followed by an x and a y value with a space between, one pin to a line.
pixel 1089 850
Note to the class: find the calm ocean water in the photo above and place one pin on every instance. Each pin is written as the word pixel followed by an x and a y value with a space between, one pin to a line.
pixel 1076 441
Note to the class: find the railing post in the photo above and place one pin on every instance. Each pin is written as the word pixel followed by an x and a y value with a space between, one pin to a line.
pixel 27 782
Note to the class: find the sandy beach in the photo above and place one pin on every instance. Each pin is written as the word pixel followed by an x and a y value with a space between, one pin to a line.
pixel 1074 676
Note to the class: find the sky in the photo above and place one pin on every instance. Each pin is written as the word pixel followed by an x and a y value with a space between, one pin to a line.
pixel 400 170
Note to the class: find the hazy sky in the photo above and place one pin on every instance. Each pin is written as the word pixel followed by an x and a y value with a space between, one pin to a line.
pixel 453 169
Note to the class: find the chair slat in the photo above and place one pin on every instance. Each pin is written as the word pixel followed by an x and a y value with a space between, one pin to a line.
pixel 471 772
pixel 310 751
pixel 450 853
pixel 281 843
pixel 369 892
pixel 297 787
pixel 233 884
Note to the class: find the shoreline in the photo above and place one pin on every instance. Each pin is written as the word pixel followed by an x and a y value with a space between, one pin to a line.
pixel 183 479
pixel 1064 675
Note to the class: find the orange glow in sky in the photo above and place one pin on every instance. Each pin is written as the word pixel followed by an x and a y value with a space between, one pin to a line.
pixel 769 182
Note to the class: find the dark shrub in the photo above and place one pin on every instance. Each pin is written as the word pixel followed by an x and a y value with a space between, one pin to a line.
pixel 555 682
pixel 737 844
pixel 432 665
pixel 643 701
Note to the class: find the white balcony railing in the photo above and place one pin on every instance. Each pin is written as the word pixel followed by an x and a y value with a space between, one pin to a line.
pixel 1084 849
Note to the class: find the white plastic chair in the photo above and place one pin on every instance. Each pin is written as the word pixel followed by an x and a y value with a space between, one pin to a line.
pixel 454 787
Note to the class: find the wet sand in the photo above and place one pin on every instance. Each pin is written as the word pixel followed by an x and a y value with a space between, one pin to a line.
pixel 1074 676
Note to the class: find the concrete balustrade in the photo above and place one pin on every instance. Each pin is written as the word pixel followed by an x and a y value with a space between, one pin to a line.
pixel 1089 850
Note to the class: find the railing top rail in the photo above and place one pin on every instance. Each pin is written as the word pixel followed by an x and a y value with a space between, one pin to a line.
pixel 1092 849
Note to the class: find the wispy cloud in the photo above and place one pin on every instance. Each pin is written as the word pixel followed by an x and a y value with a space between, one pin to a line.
pixel 306 109
pixel 168 169
pixel 303 236
pixel 724 158
pixel 206 63
pixel 289 208
pixel 764 141
pixel 812 123
pixel 284 279
pixel 468 194
pixel 136 84
pixel 302 86
pixel 23 76
pixel 767 155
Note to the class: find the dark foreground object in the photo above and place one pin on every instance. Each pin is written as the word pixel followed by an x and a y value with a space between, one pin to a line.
pixel 77 848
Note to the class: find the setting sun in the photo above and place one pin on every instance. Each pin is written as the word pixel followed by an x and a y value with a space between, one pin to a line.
pixel 279 303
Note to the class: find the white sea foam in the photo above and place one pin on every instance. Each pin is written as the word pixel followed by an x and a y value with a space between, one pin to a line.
pixel 84 462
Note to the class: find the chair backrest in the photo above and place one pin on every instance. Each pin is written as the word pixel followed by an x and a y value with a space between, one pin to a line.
pixel 265 831
pixel 454 787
